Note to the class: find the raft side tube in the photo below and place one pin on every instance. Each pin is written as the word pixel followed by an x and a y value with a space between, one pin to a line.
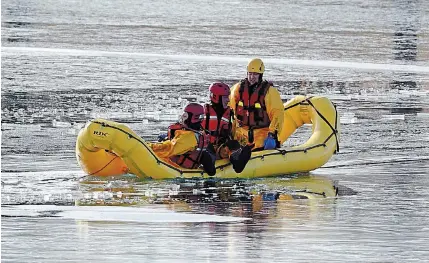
pixel 94 160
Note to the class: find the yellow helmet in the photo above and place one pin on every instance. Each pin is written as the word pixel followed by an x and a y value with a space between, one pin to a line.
pixel 256 65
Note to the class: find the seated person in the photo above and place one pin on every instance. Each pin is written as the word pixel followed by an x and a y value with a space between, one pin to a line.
pixel 187 145
pixel 217 121
pixel 258 109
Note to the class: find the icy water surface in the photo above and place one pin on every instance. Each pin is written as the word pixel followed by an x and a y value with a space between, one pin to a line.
pixel 64 62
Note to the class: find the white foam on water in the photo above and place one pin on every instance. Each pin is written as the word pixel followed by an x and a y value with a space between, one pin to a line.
pixel 346 120
pixel 365 161
pixel 423 114
pixel 43 173
pixel 393 117
pixel 114 214
pixel 297 62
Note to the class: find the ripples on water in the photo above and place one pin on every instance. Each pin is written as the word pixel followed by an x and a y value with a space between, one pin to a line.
pixel 69 62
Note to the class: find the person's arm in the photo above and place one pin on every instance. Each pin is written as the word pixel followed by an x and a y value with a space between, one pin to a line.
pixel 275 110
pixel 183 142
pixel 233 98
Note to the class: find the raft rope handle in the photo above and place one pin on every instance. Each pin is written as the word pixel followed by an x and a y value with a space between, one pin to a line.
pixel 284 152
pixel 334 130
pixel 102 168
pixel 154 155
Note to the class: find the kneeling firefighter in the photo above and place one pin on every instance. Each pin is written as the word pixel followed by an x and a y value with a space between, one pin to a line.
pixel 217 122
pixel 187 144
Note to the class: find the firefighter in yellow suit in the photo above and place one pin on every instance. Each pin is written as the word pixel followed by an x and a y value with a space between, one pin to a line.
pixel 187 144
pixel 258 109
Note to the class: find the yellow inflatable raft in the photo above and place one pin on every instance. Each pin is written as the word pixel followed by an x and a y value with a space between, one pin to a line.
pixel 106 148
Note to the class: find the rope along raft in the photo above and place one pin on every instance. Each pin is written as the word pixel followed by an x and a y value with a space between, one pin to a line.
pixel 101 142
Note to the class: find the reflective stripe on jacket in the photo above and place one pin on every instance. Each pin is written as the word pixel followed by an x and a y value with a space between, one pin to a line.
pixel 219 129
pixel 250 109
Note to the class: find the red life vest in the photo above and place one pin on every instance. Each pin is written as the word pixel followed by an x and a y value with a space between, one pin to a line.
pixel 250 108
pixel 190 160
pixel 219 129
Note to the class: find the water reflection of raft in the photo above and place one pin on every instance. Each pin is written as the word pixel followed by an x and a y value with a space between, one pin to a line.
pixel 123 191
pixel 107 148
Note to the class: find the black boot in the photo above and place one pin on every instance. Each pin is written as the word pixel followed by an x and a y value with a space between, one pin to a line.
pixel 208 159
pixel 239 158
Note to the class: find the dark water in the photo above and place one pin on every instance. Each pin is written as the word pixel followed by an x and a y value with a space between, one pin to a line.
pixel 70 61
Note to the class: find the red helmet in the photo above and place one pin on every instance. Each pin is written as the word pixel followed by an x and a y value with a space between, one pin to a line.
pixel 217 90
pixel 192 113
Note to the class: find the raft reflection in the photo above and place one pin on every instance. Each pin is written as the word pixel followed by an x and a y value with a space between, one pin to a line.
pixel 293 196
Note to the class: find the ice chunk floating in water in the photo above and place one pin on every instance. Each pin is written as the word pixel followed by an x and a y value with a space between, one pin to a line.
pixel 111 213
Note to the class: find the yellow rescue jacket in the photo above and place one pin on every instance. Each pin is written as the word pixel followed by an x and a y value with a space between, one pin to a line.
pixel 183 142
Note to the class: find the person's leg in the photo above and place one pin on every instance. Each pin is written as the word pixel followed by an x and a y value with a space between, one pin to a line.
pixel 260 135
pixel 239 156
pixel 208 160
pixel 241 135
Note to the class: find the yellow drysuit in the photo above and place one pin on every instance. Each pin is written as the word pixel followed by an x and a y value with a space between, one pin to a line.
pixel 275 110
